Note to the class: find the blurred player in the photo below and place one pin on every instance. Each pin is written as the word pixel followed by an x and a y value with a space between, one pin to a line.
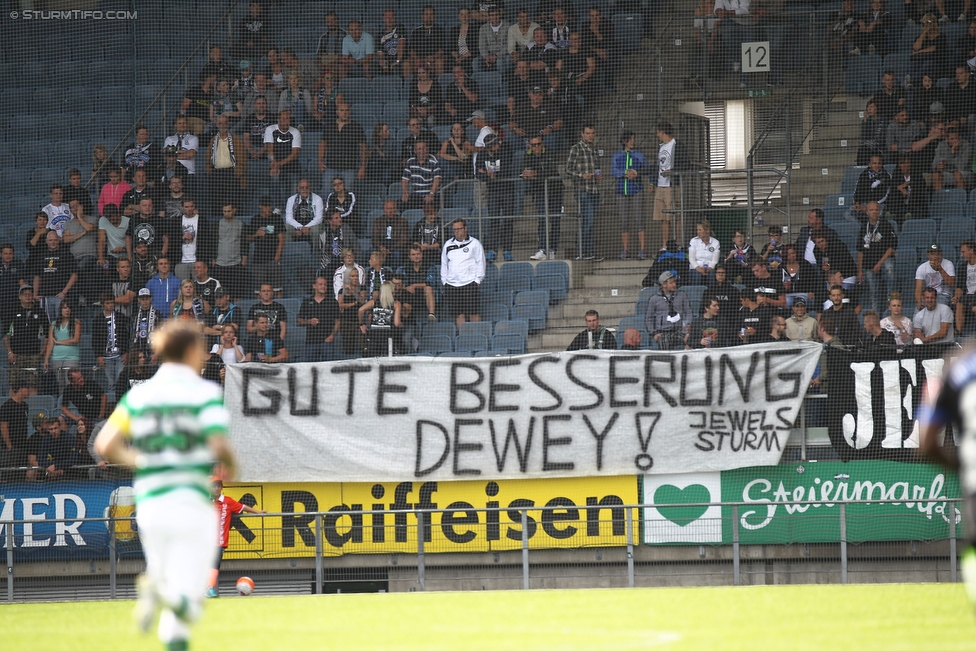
pixel 171 429
pixel 955 403
pixel 227 507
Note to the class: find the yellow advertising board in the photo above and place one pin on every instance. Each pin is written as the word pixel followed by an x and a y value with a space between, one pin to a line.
pixel 590 514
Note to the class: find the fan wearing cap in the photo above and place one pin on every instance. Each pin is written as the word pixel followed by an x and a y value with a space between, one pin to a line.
pixel 479 122
pixel 668 314
pixel 936 273
pixel 801 326
pixel 245 82
pixel 223 312
pixel 145 320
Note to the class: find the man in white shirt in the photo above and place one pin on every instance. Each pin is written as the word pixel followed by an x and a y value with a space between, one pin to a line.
pixel 964 300
pixel 938 274
pixel 186 145
pixel 663 192
pixel 304 212
pixel 462 270
pixel 479 122
pixel 58 212
pixel 283 144
pixel 933 323
pixel 521 34
pixel 190 249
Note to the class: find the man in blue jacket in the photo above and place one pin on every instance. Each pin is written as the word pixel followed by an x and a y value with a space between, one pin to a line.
pixel 627 166
pixel 164 286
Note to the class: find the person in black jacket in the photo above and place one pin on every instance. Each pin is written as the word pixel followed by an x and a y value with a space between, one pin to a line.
pixel 874 184
pixel 832 255
pixel 110 339
pixel 595 336
pixel 874 336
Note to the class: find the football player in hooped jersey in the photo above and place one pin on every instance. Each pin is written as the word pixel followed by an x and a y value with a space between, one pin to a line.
pixel 227 507
pixel 170 430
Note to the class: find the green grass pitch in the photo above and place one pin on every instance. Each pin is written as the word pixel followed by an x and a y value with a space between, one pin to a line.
pixel 862 617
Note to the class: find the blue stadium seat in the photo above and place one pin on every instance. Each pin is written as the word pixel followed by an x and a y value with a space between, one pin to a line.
pixel 295 342
pixel 491 88
pixel 897 62
pixel 354 84
pixel 511 343
pixel 636 322
pixel 471 342
pixel 952 238
pixel 495 312
pixel 851 174
pixel 477 327
pixel 847 231
pixel 413 216
pixel 436 344
pixel 43 177
pixel 533 313
pixel 513 326
pixel 540 296
pixel 442 328
pixel 448 215
pixel 863 76
pixel 926 226
pixel 836 206
pixel 348 10
pixel 516 268
pixel 946 209
pixel 694 292
pixel 554 283
pixel 514 283
pixel 947 196
pixel 959 224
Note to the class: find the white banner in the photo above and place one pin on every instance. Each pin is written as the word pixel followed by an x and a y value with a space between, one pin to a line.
pixel 575 414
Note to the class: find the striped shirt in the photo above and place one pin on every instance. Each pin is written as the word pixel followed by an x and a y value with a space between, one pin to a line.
pixel 168 420
pixel 583 160
pixel 421 177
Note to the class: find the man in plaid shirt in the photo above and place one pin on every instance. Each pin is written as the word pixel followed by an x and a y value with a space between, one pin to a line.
pixel 583 165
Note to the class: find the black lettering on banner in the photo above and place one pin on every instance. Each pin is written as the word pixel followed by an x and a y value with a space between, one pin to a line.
pixel 384 388
pixel 351 369
pixel 450 520
pixel 378 516
pixel 514 512
pixel 292 523
pixel 784 378
pixel 547 442
pixel 542 385
pixel 697 425
pixel 521 453
pixel 331 525
pixel 492 527
pixel 652 381
pixel 725 362
pixel 465 447
pixel 644 461
pixel 617 515
pixel 601 436
pixel 494 387
pixel 705 443
pixel 418 472
pixel 313 401
pixel 271 394
pixel 468 387
pixel 786 423
pixel 682 394
pixel 551 517
pixel 400 508
pixel 578 382
pixel 424 504
pixel 615 380
pixel 237 522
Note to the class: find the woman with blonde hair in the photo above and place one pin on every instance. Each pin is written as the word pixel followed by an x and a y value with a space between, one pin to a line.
pixel 101 164
pixel 380 321
pixel 897 323
pixel 188 305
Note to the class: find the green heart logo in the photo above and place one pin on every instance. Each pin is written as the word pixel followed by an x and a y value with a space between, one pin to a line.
pixel 681 515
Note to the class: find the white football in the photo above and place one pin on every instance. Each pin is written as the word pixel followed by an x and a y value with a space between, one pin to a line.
pixel 245 586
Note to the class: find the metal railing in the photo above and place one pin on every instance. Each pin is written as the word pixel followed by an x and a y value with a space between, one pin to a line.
pixel 623 551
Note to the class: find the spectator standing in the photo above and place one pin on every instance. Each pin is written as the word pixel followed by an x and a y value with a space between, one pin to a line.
pixel 205 284
pixel 275 311
pixel 343 202
pixel 110 341
pixel 123 289
pixel 383 162
pixel 801 280
pixel 599 42
pixel 937 273
pixel 462 271
pixel 155 230
pixel 283 144
pixel 13 426
pixel 319 315
pixel 489 168
pixel 58 211
pixel 418 134
pixel 933 323
pixel 959 100
pixel 55 275
pixel 392 43
pixel 140 189
pixel 539 165
pixel 761 281
pixel 627 166
pixel 12 275
pixel 460 96
pixel 801 326
pixel 145 320
pixel 421 178
pixel 226 164
pixel 704 252
pixel 909 196
pixel 267 232
pixel 873 131
pixel 843 316
pixel 390 234
pixel 25 340
pixel 188 305
pixel 164 286
pixel 805 244
pixel 584 167
pixel 721 288
pixel 427 43
pixel 671 158
pixel 304 212
pixel 334 239
pixel 429 236
pixel 874 336
pixel 668 315
pixel 380 322
pixel 890 98
pixel 594 336
pixel 832 255
pixel 143 264
pixel 230 262
pixel 253 33
pixel 63 351
pixel 753 318
pixel 81 234
pixel 462 41
pixel 262 90
pixel 902 134
pixel 876 246
pixel 112 192
pixel 223 313
pixel 964 300
pixel 777 330
pixel 348 153
pixel 196 241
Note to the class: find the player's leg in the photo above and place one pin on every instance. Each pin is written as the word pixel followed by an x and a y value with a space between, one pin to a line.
pixel 187 559
pixel 968 560
pixel 151 518
pixel 215 574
